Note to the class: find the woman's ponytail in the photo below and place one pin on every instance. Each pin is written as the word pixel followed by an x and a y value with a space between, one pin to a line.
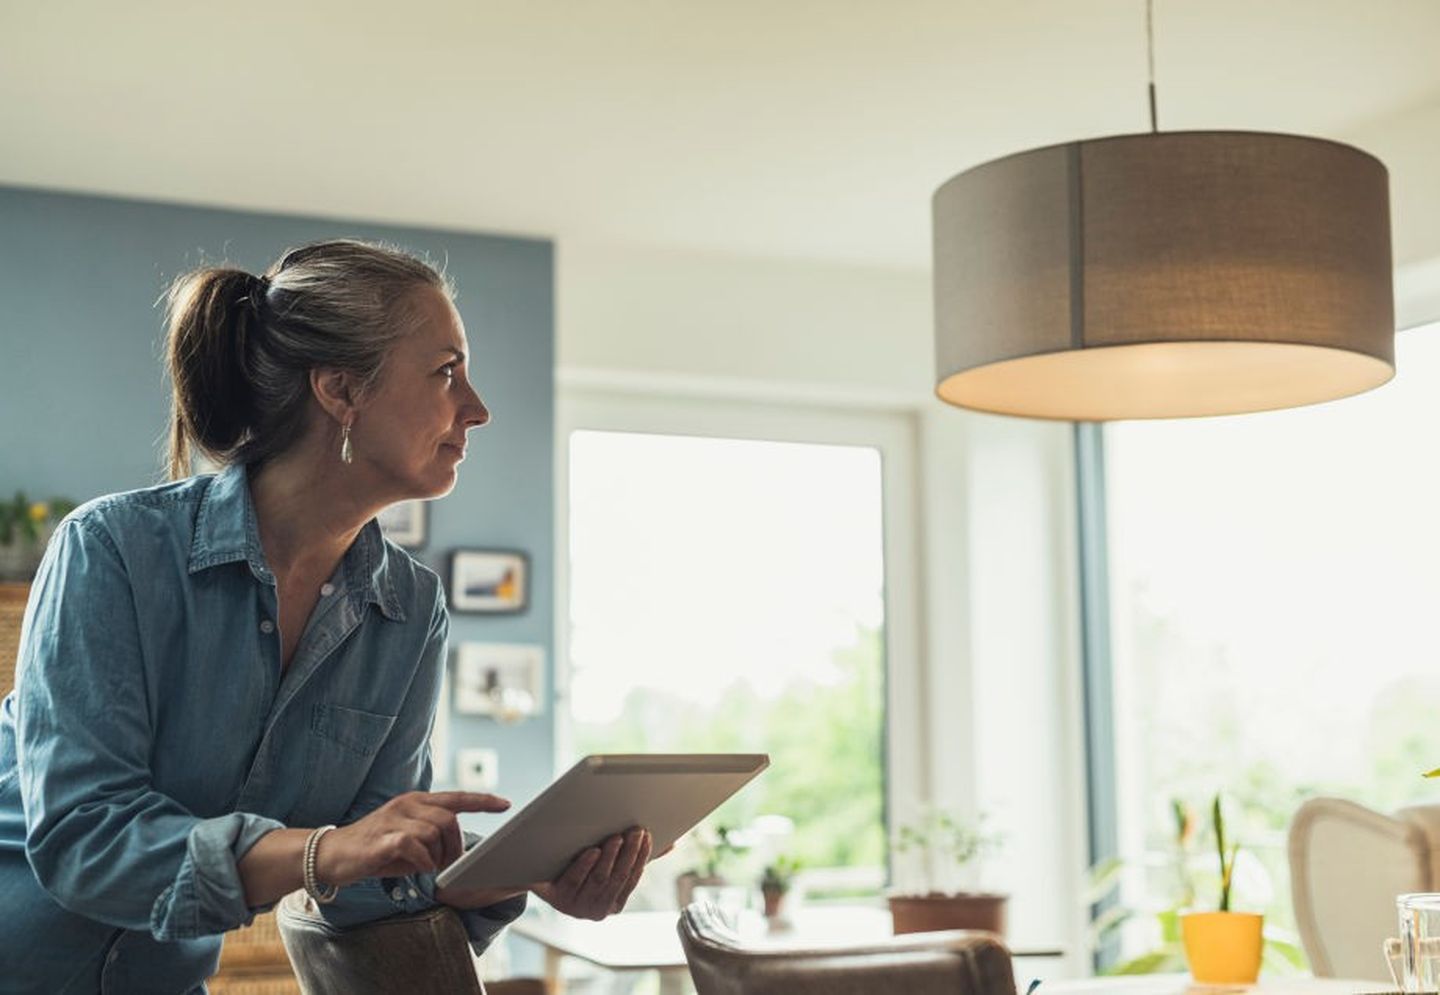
pixel 211 314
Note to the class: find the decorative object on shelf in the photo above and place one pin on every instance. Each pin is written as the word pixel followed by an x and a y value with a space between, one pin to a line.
pixel 503 680
pixel 1163 275
pixel 1223 947
pixel 489 581
pixel 945 850
pixel 25 528
pixel 477 768
pixel 404 523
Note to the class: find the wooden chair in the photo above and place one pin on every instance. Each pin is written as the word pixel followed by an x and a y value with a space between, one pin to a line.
pixel 12 611
pixel 253 962
pixel 1347 865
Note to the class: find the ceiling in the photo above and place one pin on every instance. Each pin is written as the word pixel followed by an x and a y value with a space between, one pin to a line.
pixel 786 127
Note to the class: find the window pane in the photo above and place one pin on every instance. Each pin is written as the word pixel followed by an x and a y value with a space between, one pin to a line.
pixel 1273 579
pixel 727 595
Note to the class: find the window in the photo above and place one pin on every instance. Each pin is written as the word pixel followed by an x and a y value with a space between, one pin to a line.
pixel 726 591
pixel 1273 579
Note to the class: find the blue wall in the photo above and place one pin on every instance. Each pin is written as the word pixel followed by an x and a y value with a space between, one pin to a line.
pixel 83 404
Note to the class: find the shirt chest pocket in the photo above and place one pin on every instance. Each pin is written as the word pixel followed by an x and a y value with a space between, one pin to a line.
pixel 342 745
pixel 361 733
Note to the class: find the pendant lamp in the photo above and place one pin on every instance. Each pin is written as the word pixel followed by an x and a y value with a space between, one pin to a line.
pixel 1164 275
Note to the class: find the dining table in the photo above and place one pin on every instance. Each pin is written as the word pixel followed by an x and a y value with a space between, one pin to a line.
pixel 650 941
pixel 1181 984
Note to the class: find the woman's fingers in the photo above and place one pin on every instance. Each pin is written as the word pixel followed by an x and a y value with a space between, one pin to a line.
pixel 465 801
pixel 599 881
pixel 432 838
pixel 454 841
pixel 569 884
pixel 641 859
pixel 451 840
pixel 411 833
pixel 605 866
pixel 408 856
pixel 611 873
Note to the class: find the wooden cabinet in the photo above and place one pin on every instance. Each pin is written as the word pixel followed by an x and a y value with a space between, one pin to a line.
pixel 12 610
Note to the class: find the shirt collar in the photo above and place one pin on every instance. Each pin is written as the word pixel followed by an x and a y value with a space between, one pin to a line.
pixel 226 531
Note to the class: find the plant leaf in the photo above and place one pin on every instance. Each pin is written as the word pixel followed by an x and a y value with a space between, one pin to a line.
pixel 1109 920
pixel 1104 877
pixel 1157 961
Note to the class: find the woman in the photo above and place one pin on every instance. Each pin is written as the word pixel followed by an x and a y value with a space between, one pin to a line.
pixel 215 672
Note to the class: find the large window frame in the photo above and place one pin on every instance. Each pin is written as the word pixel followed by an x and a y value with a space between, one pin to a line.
pixel 1112 832
pixel 892 433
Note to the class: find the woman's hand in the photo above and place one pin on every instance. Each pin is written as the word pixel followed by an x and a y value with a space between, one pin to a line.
pixel 413 833
pixel 599 881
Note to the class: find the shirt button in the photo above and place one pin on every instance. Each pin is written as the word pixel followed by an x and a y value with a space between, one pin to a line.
pixel 413 893
pixel 326 590
pixel 267 626
pixel 398 894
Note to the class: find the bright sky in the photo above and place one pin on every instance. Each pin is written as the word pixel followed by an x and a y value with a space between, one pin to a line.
pixel 1306 543
pixel 696 562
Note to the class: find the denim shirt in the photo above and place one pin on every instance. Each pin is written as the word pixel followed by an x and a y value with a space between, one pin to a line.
pixel 152 738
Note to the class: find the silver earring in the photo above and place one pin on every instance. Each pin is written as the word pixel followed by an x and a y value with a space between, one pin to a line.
pixel 346 454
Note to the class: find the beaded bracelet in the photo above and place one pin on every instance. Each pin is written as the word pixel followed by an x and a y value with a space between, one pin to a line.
pixel 321 894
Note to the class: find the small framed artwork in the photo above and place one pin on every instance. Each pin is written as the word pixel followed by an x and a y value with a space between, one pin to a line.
pixel 490 581
pixel 503 680
pixel 404 523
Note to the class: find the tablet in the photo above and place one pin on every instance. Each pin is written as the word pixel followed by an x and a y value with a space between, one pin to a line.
pixel 666 793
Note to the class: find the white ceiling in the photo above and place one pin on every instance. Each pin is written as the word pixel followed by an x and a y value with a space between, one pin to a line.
pixel 783 127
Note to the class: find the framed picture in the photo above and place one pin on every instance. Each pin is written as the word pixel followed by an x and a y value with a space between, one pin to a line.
pixel 503 680
pixel 492 581
pixel 404 523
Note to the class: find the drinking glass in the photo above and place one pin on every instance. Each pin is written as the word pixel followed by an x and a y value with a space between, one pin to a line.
pixel 1414 956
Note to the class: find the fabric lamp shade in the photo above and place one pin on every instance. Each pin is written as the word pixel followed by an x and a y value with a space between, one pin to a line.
pixel 1164 275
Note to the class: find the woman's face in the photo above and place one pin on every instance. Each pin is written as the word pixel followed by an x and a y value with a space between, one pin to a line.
pixel 409 431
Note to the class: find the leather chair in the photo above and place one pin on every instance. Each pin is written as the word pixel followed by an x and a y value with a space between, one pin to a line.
pixel 423 954
pixel 949 963
pixel 1347 865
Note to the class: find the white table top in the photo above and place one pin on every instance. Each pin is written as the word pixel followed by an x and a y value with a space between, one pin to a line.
pixel 1180 984
pixel 640 940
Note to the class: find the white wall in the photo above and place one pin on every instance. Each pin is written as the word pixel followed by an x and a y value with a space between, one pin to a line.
pixel 1409 145
pixel 741 323
pixel 994 515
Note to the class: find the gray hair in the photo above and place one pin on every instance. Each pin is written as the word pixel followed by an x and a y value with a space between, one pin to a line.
pixel 240 348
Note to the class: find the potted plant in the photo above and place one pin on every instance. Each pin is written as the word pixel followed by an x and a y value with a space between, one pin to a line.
pixel 1282 953
pixel 775 882
pixel 25 528
pixel 714 851
pixel 950 850
pixel 1223 947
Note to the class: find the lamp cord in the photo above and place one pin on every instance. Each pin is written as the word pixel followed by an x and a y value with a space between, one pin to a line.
pixel 1150 51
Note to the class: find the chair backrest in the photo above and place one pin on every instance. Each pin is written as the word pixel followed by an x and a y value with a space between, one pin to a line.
pixel 955 962
pixel 1347 865
pixel 423 954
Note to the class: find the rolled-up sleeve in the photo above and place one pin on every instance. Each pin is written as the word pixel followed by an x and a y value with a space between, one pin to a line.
pixel 401 765
pixel 101 841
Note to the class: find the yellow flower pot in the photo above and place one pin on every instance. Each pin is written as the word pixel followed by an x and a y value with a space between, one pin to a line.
pixel 1223 948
